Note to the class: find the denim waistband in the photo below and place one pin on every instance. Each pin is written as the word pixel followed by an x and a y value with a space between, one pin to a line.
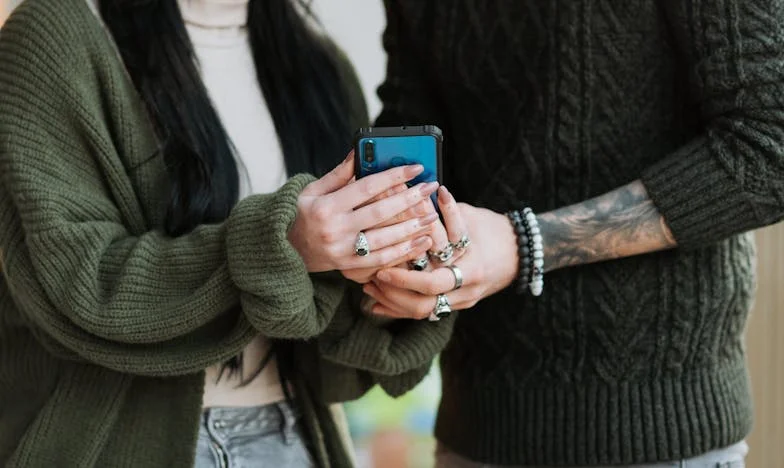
pixel 223 423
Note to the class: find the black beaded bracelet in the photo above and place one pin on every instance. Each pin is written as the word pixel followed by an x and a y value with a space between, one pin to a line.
pixel 530 251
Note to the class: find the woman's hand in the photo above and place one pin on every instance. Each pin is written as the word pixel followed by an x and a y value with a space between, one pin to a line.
pixel 437 233
pixel 332 211
pixel 488 265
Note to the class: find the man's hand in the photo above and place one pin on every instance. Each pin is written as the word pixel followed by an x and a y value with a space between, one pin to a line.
pixel 488 265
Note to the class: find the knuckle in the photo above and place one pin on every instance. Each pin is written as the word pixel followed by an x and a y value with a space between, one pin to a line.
pixel 322 211
pixel 332 251
pixel 397 219
pixel 368 187
pixel 327 236
pixel 377 212
pixel 414 196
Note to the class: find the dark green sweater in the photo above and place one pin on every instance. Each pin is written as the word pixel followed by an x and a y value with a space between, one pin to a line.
pixel 105 323
pixel 556 101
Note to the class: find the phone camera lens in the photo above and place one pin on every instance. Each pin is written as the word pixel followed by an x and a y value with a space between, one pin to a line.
pixel 370 154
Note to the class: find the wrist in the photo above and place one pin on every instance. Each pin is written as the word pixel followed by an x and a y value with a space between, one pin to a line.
pixel 510 260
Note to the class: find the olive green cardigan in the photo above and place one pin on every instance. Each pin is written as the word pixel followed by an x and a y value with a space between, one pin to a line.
pixel 105 323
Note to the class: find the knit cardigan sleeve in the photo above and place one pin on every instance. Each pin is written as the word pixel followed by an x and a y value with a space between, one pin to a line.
pixel 81 265
pixel 730 179
pixel 396 355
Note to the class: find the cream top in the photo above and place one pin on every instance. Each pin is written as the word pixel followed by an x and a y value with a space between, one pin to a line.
pixel 220 40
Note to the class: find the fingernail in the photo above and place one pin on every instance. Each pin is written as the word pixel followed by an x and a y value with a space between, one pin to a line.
pixel 383 276
pixel 443 194
pixel 428 220
pixel 349 157
pixel 428 188
pixel 415 170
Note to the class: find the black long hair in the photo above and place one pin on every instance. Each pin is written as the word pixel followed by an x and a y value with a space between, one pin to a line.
pixel 301 81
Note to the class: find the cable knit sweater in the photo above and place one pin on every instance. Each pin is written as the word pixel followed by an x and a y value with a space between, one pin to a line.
pixel 106 324
pixel 556 101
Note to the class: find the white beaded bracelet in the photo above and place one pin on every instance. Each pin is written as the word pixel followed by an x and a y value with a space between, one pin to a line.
pixel 536 285
pixel 530 251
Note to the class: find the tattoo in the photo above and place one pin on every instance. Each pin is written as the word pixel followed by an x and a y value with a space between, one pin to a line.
pixel 618 224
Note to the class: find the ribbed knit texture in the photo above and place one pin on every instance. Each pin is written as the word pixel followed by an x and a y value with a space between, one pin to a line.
pixel 106 324
pixel 553 102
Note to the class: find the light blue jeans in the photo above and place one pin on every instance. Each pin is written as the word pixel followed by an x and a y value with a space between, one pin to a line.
pixel 733 456
pixel 269 435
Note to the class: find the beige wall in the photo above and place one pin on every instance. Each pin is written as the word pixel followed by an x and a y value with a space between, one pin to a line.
pixel 3 11
pixel 765 343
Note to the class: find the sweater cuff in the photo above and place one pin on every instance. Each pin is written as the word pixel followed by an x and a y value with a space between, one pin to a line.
pixel 261 260
pixel 385 350
pixel 701 203
pixel 398 385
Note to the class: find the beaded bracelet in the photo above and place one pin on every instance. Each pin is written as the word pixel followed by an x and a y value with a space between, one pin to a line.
pixel 530 251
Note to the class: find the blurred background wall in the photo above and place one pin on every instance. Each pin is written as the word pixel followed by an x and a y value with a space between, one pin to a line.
pixel 396 433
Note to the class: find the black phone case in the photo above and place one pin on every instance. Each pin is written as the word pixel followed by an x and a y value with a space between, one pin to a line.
pixel 406 130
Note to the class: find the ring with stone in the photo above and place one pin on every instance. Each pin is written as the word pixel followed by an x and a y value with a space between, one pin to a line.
pixel 361 245
pixel 441 310
pixel 445 254
pixel 458 276
pixel 420 264
pixel 463 243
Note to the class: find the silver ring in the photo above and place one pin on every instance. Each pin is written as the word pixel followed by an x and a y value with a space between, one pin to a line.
pixel 458 276
pixel 361 246
pixel 420 264
pixel 463 243
pixel 441 310
pixel 444 255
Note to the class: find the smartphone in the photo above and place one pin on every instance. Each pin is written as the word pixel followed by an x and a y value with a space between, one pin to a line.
pixel 377 149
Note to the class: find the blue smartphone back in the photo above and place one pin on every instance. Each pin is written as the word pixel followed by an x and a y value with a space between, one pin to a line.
pixel 379 149
pixel 401 151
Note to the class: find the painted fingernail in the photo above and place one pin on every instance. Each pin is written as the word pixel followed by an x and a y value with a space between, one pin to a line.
pixel 428 220
pixel 428 188
pixel 415 170
pixel 383 275
pixel 443 194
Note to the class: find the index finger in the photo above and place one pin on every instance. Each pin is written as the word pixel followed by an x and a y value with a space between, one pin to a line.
pixel 367 188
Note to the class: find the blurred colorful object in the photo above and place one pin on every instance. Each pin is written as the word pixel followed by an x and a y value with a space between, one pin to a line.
pixel 396 433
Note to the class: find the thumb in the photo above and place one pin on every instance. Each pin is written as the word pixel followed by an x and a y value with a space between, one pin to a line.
pixel 336 179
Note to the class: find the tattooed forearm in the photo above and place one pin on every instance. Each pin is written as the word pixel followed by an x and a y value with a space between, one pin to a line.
pixel 618 224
